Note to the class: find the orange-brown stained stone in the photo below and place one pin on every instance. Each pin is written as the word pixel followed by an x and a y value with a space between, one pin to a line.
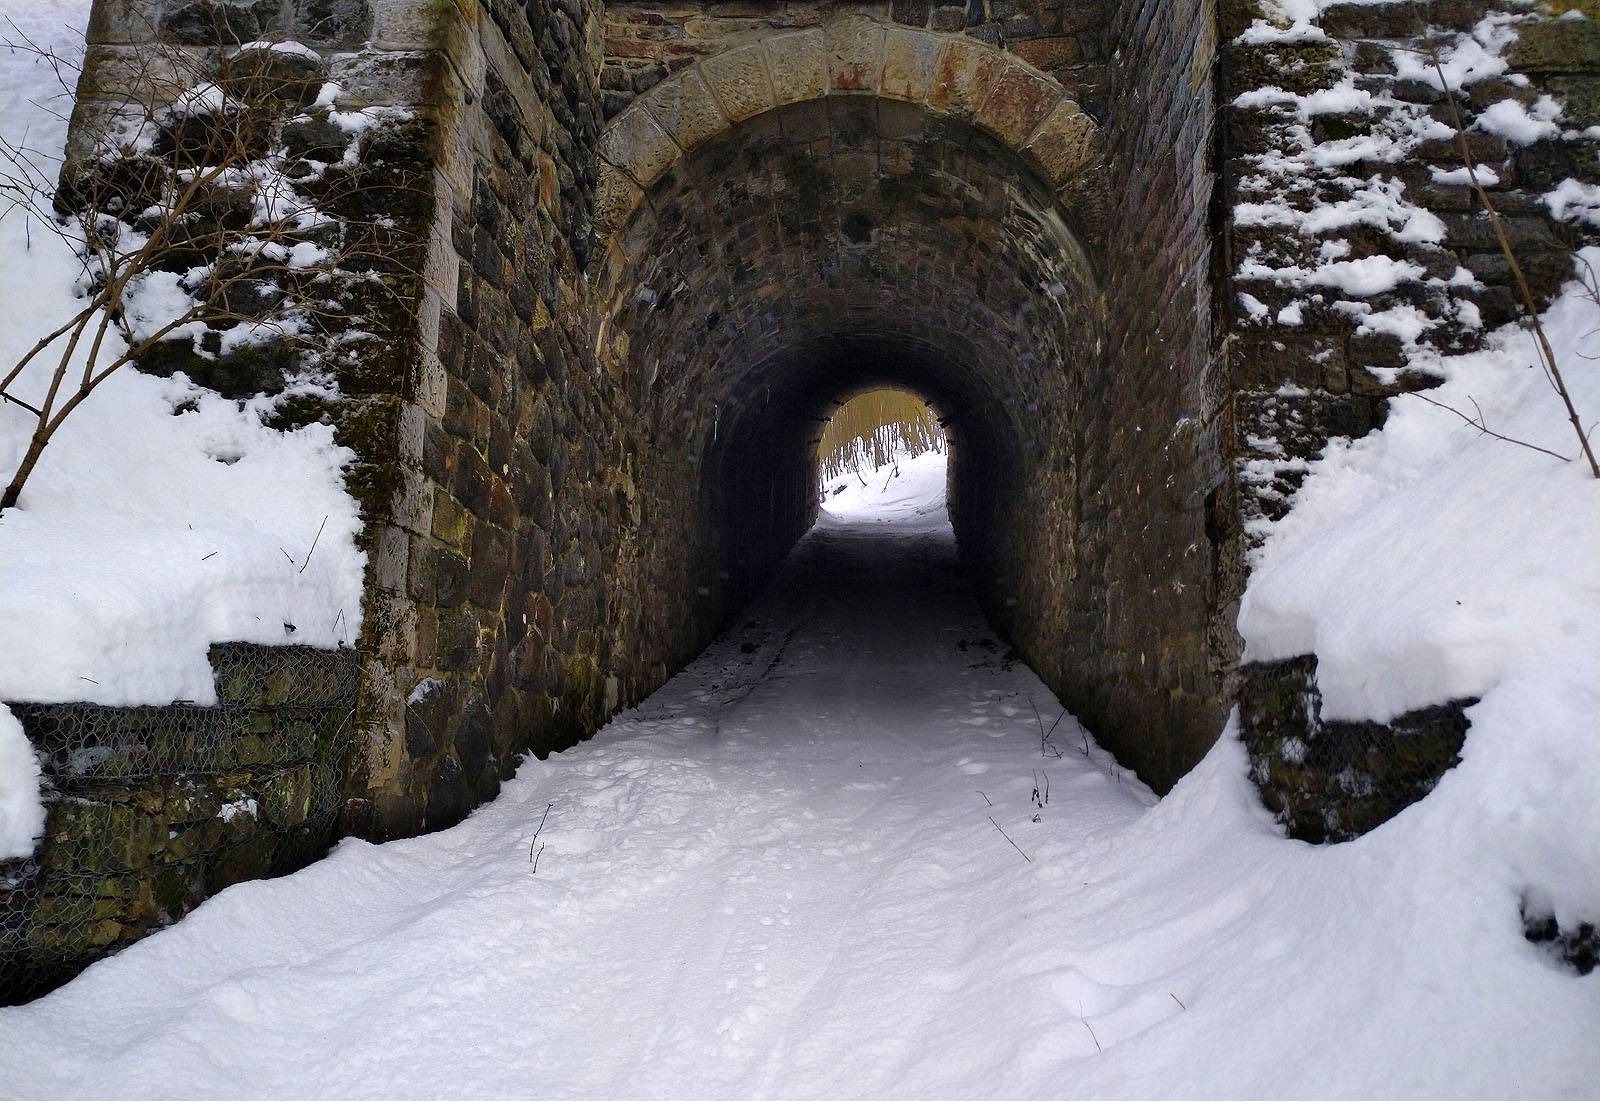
pixel 909 61
pixel 1017 102
pixel 855 55
pixel 962 78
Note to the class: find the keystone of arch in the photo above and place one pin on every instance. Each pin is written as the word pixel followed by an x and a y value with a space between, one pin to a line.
pixel 952 77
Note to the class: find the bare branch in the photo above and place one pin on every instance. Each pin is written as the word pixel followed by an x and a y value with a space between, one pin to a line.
pixel 1547 354
pixel 1481 427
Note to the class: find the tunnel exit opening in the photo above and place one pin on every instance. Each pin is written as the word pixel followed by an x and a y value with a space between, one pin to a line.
pixel 862 445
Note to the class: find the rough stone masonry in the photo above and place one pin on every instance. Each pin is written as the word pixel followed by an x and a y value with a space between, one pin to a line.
pixel 657 242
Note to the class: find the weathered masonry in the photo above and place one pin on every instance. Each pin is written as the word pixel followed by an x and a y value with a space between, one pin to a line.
pixel 655 243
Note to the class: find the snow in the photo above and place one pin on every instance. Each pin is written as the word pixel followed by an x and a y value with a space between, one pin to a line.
pixel 1446 612
pixel 1429 562
pixel 1510 120
pixel 784 875
pixel 1574 201
pixel 21 812
pixel 163 517
pixel 832 857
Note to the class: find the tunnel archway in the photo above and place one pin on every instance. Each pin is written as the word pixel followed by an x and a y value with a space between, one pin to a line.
pixel 906 227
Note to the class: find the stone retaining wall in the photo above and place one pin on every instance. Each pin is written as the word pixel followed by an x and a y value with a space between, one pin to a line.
pixel 150 810
pixel 1325 368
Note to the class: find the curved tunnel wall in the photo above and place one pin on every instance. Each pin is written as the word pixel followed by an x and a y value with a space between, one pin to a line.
pixel 831 245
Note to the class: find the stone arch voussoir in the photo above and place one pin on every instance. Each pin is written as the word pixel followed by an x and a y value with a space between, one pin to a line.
pixel 950 76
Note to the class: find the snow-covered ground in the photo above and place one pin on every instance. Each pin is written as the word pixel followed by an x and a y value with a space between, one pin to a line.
pixel 784 875
pixel 162 517
pixel 815 863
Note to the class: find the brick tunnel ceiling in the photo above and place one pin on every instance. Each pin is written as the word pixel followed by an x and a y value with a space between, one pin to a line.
pixel 843 243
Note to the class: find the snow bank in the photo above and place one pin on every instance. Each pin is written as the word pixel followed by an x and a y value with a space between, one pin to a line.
pixel 162 518
pixel 21 810
pixel 1429 562
pixel 1419 561
pixel 905 488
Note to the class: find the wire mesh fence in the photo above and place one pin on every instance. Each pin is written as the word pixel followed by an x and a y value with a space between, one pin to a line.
pixel 152 809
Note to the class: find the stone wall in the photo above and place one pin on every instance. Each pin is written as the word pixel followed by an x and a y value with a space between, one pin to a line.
pixel 150 810
pixel 1308 363
pixel 1137 637
pixel 485 571
pixel 1333 780
pixel 1311 362
pixel 545 562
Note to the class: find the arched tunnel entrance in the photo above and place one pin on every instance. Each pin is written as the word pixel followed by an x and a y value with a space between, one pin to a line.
pixel 822 247
pixel 642 322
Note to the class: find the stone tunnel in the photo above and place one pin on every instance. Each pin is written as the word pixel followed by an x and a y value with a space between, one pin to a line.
pixel 656 244
pixel 813 201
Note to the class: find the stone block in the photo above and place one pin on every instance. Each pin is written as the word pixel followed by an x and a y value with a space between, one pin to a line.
pixel 407 24
pixel 121 73
pixel 1556 46
pixel 855 54
pixel 1017 102
pixel 121 22
pixel 685 109
pixel 1579 97
pixel 910 59
pixel 963 78
pixel 798 66
pixel 739 80
pixel 392 554
pixel 388 79
pixel 1065 142
pixel 615 197
pixel 1048 53
pixel 636 143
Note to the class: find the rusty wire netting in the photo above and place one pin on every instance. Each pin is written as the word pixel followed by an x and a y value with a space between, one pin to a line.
pixel 152 809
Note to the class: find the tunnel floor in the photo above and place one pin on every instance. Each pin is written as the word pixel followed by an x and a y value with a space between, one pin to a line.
pixel 784 873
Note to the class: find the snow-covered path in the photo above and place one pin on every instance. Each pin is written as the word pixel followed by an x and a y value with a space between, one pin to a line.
pixel 779 873
pixel 784 876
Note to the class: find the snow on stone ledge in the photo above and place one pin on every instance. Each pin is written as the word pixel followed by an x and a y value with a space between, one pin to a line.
pixel 21 810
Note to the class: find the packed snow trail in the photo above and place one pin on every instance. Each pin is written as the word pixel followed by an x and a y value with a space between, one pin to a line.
pixel 784 875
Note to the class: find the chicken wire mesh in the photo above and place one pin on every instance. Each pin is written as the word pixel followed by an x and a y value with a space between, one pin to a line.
pixel 152 809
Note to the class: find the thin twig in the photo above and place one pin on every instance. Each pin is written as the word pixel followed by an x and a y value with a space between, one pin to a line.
pixel 314 539
pixel 1487 431
pixel 985 797
pixel 1007 836
pixel 1177 999
pixel 1552 370
pixel 1092 1036
pixel 533 857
